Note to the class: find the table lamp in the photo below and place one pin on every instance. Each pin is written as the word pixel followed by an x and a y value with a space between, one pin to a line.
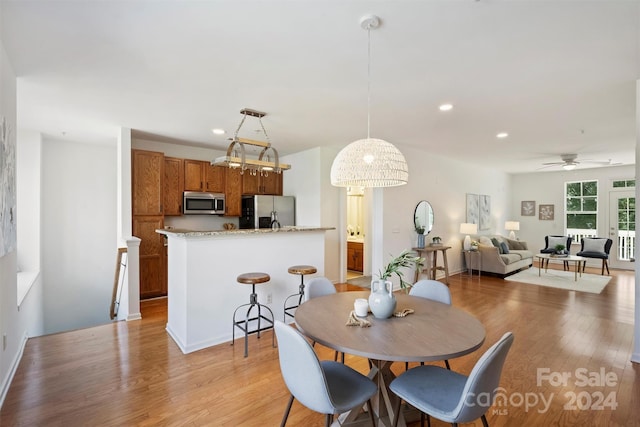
pixel 468 228
pixel 512 226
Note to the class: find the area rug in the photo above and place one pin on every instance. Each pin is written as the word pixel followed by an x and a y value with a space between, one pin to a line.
pixel 362 281
pixel 562 280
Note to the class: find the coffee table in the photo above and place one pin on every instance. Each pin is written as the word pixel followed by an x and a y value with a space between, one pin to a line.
pixel 569 258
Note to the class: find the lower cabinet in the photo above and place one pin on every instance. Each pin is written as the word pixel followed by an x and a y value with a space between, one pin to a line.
pixel 153 281
pixel 355 256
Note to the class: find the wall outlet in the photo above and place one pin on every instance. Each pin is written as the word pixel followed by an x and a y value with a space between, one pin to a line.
pixel 269 298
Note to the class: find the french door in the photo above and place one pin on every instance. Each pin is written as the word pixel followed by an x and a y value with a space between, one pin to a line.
pixel 622 228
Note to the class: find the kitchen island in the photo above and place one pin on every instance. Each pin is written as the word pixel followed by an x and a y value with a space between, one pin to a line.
pixel 202 270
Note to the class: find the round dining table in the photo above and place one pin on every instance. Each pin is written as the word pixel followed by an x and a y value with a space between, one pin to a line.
pixel 434 331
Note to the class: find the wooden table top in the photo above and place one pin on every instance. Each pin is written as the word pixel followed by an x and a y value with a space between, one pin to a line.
pixel 435 331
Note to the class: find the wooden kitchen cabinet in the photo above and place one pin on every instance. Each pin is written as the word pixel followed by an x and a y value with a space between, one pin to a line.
pixel 152 256
pixel 233 192
pixel 355 256
pixel 270 183
pixel 173 185
pixel 147 174
pixel 202 176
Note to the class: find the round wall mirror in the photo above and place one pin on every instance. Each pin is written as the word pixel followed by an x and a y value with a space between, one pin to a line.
pixel 423 217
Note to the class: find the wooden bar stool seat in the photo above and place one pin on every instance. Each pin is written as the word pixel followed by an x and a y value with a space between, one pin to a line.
pixel 261 321
pixel 300 270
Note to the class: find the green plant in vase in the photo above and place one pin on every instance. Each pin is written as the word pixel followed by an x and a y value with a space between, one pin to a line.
pixel 382 302
pixel 559 249
pixel 406 259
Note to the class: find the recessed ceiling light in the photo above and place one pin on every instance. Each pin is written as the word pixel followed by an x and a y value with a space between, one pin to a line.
pixel 445 107
pixel 502 135
pixel 218 131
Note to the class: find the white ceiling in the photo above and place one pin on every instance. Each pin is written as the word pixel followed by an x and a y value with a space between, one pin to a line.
pixel 558 76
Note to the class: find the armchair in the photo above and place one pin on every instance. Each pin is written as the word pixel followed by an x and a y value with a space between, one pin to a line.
pixel 550 243
pixel 596 247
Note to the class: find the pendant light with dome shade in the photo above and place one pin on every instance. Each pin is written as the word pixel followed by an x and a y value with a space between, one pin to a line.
pixel 369 162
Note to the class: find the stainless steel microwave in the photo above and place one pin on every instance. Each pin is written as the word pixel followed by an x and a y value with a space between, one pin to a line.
pixel 196 203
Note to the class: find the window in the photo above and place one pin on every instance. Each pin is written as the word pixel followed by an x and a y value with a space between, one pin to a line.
pixel 624 183
pixel 581 209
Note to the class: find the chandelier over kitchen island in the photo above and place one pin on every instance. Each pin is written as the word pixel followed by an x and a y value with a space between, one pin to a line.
pixel 236 157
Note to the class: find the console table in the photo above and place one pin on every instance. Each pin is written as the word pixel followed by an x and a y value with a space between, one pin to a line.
pixel 431 261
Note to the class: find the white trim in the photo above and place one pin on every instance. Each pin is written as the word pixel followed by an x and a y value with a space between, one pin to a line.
pixel 25 280
pixel 12 370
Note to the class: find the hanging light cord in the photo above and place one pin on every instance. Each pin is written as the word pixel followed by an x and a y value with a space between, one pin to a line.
pixel 368 81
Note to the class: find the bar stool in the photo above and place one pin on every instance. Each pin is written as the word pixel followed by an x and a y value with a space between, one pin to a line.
pixel 300 270
pixel 252 279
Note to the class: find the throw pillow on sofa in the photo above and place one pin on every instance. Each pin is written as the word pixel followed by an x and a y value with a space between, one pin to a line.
pixel 496 243
pixel 484 240
pixel 504 249
pixel 516 245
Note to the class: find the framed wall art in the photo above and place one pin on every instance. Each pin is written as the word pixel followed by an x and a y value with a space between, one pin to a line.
pixel 546 212
pixel 7 188
pixel 527 208
pixel 473 208
pixel 484 212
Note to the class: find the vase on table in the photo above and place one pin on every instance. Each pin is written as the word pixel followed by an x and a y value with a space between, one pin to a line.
pixel 420 241
pixel 382 302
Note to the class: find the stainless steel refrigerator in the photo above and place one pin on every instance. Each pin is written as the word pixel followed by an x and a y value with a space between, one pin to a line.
pixel 259 211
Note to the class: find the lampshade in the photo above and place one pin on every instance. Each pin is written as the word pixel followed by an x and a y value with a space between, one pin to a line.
pixel 369 162
pixel 468 228
pixel 512 226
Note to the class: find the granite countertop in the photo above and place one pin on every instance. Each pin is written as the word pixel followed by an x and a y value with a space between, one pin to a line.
pixel 194 233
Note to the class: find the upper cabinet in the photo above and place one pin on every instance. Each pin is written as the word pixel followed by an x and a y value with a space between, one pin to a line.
pixel 173 185
pixel 202 176
pixel 147 170
pixel 270 183
pixel 233 193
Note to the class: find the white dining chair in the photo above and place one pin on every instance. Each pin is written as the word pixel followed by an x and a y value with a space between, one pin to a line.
pixel 324 386
pixel 435 291
pixel 431 289
pixel 318 287
pixel 450 396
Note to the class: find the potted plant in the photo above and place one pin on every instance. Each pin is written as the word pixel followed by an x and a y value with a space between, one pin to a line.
pixel 382 301
pixel 436 240
pixel 559 249
pixel 405 259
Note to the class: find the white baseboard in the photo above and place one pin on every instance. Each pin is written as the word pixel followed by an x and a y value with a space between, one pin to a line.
pixel 12 370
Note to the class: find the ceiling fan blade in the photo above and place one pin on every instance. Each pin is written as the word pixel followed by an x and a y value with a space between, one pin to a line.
pixel 553 163
pixel 549 165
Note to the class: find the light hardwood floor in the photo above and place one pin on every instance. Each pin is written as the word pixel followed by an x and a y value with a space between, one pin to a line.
pixel 132 374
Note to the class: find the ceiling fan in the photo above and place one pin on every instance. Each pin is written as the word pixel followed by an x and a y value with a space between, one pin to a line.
pixel 569 162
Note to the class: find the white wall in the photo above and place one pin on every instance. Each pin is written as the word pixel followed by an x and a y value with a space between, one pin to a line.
pixel 16 324
pixel 79 233
pixel 317 201
pixel 548 188
pixel 444 183
pixel 28 152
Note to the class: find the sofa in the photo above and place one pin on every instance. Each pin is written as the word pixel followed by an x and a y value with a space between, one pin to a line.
pixel 503 264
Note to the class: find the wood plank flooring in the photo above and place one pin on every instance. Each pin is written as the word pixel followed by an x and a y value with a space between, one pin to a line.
pixel 132 374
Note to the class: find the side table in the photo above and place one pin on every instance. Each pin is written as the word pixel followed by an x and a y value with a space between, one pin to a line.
pixel 431 261
pixel 468 258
